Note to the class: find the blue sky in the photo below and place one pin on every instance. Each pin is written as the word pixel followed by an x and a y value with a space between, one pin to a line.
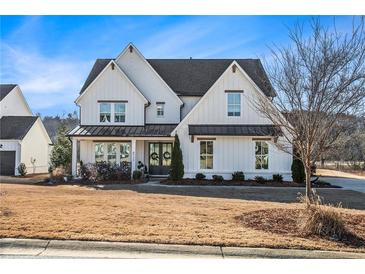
pixel 51 56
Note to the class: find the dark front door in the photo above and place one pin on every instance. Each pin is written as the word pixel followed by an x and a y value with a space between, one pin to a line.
pixel 7 162
pixel 159 158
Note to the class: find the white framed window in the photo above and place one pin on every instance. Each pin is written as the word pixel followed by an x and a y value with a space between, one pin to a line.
pixel 99 152
pixel 124 151
pixel 111 153
pixel 234 104
pixel 261 155
pixel 160 109
pixel 105 111
pixel 114 153
pixel 119 112
pixel 206 154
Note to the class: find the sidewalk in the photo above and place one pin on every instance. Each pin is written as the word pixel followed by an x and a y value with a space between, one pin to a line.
pixel 34 248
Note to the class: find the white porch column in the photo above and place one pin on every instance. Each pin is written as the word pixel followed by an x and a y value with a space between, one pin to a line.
pixel 133 160
pixel 74 157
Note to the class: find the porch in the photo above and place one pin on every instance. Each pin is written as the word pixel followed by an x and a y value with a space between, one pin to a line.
pixel 149 144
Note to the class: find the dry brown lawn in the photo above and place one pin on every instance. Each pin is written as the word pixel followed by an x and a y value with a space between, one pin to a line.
pixel 79 213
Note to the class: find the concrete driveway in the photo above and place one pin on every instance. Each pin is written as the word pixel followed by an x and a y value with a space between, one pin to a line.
pixel 347 183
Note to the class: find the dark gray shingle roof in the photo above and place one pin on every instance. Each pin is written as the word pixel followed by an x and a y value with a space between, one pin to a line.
pixel 99 65
pixel 5 90
pixel 16 127
pixel 149 130
pixel 234 130
pixel 194 76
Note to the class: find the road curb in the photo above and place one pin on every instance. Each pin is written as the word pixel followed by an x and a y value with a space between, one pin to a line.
pixel 94 249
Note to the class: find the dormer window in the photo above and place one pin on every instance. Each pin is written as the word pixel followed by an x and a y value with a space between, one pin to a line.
pixel 105 112
pixel 160 109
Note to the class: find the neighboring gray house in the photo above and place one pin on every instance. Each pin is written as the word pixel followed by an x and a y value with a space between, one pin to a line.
pixel 131 108
pixel 23 138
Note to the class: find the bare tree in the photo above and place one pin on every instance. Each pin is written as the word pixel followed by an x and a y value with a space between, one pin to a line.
pixel 319 80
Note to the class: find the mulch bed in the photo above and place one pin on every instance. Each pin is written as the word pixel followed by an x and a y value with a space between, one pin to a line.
pixel 284 221
pixel 206 182
pixel 87 183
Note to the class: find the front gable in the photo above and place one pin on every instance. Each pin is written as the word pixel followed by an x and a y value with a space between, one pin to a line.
pixel 14 104
pixel 112 85
pixel 132 62
pixel 212 107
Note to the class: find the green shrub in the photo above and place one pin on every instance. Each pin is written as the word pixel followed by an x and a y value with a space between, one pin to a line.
pixel 177 165
pixel 217 178
pixel 199 176
pixel 277 178
pixel 137 174
pixel 22 169
pixel 238 176
pixel 298 173
pixel 260 179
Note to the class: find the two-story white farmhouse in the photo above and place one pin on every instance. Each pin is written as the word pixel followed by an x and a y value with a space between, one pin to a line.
pixel 131 108
pixel 23 138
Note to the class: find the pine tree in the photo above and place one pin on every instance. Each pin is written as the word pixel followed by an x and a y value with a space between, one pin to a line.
pixel 62 150
pixel 177 165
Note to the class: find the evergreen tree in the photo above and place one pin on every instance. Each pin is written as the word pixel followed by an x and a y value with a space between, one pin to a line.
pixel 177 165
pixel 297 169
pixel 62 150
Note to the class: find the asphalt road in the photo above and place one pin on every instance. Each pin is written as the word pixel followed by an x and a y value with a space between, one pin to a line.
pixel 36 248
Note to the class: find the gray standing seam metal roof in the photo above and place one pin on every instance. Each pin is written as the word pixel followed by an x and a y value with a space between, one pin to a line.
pixel 194 77
pixel 235 130
pixel 149 130
pixel 16 127
pixel 5 90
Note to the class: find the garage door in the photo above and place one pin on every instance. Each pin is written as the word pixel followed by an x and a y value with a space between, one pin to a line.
pixel 7 162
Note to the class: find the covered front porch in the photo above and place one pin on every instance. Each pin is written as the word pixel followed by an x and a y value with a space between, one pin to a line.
pixel 109 145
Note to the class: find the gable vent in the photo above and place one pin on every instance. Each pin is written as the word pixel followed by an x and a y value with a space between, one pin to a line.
pixel 130 48
pixel 234 67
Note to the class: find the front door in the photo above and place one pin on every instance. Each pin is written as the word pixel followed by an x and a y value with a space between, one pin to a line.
pixel 159 158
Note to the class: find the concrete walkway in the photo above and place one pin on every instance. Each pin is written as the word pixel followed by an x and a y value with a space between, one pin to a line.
pixel 34 248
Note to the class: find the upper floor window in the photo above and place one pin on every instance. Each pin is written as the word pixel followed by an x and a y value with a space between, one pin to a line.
pixel 234 104
pixel 160 108
pixel 105 112
pixel 112 112
pixel 119 112
pixel 206 154
pixel 261 155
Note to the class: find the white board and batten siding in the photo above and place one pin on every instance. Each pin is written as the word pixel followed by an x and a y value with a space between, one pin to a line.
pixel 111 85
pixel 189 103
pixel 35 149
pixel 152 86
pixel 231 153
pixel 14 104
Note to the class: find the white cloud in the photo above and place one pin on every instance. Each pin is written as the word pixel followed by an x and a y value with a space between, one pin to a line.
pixel 45 81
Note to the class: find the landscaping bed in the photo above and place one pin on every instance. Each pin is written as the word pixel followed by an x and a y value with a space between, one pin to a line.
pixel 285 221
pixel 206 182
pixel 91 183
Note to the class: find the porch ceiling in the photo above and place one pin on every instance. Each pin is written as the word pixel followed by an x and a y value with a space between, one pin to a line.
pixel 148 130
